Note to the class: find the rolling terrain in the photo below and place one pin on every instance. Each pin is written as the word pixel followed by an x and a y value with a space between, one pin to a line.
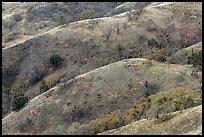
pixel 109 51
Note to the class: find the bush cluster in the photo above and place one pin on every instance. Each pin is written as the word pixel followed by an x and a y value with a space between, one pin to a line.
pixel 107 122
pixel 43 87
pixel 19 102
pixel 176 99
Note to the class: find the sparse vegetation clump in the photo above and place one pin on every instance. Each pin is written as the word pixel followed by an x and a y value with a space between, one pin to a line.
pixel 107 30
pixel 43 87
pixel 120 47
pixel 161 106
pixel 56 60
pixel 136 112
pixel 19 102
pixel 158 54
pixel 152 42
pixel 107 122
pixel 197 59
pixel 176 99
pixel 50 81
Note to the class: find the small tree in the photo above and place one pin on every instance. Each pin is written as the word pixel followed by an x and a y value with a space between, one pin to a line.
pixel 56 60
pixel 118 26
pixel 107 30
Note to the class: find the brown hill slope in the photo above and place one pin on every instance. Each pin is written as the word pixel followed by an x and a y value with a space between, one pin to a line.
pixel 85 48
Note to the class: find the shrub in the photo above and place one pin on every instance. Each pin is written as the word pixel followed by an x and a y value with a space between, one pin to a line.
pixel 120 47
pixel 43 87
pixel 136 112
pixel 161 105
pixel 96 128
pixel 197 59
pixel 52 80
pixel 185 98
pixel 155 44
pixel 19 102
pixel 56 60
pixel 158 54
pixel 114 120
pixel 107 122
pixel 152 42
pixel 172 100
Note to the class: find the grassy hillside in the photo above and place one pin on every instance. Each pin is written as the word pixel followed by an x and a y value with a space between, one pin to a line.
pixel 113 87
pixel 84 44
pixel 81 65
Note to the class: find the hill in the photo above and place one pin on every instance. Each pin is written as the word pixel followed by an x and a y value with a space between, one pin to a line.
pixel 113 87
pixel 89 67
pixel 84 45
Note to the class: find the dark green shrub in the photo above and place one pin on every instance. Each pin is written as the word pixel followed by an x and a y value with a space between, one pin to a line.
pixel 56 60
pixel 19 102
pixel 197 59
pixel 43 87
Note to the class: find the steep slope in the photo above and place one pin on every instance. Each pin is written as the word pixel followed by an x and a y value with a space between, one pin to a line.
pixel 88 96
pixel 189 122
